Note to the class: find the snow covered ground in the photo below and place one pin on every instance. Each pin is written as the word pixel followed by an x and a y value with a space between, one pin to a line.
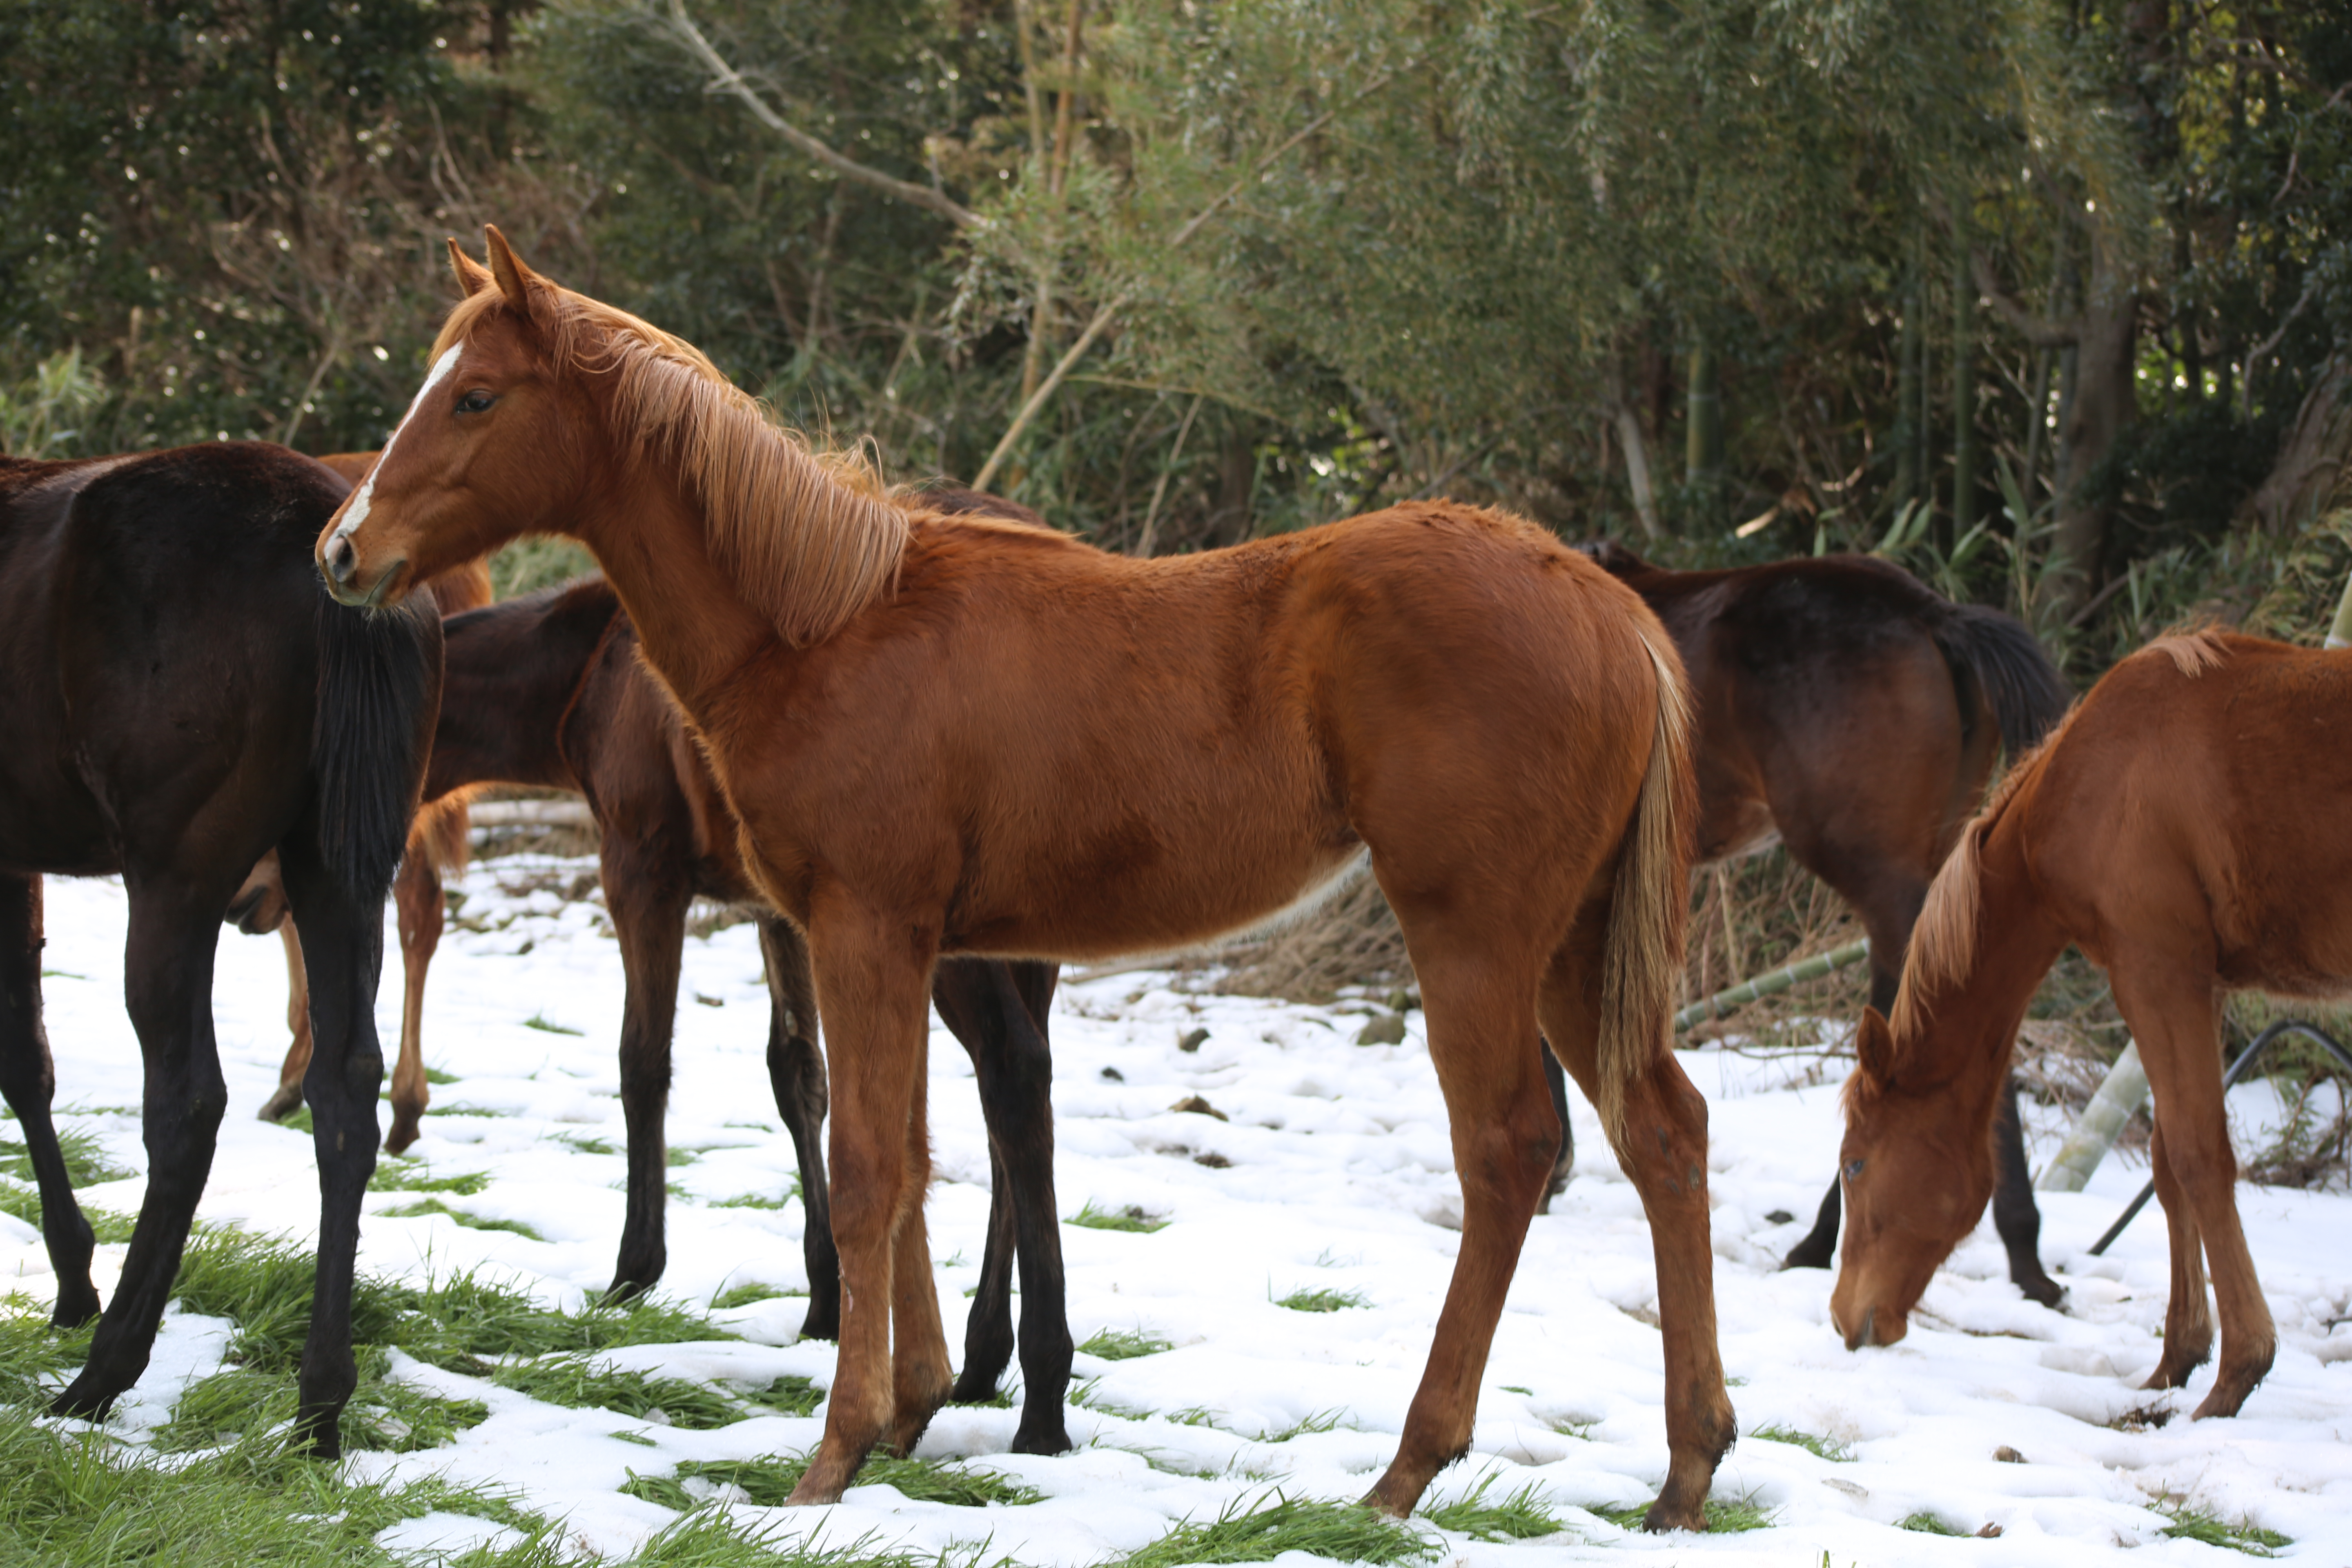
pixel 1336 1173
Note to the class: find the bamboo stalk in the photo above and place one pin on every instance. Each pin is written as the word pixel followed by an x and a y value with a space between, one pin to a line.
pixel 2119 1095
pixel 1771 983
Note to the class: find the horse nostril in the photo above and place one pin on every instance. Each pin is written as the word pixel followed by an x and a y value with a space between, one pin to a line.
pixel 1862 1334
pixel 341 559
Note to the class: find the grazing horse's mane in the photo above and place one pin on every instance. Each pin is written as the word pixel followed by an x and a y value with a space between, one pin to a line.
pixel 811 537
pixel 1944 943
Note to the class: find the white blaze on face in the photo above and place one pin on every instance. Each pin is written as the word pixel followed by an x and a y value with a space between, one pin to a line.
pixel 355 510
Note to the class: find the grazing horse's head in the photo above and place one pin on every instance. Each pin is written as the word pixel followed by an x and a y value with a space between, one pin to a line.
pixel 1916 1177
pixel 492 447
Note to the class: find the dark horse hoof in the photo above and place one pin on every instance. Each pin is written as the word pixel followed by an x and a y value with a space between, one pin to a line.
pixel 824 1323
pixel 1048 1437
pixel 76 1305
pixel 2041 1288
pixel 284 1104
pixel 625 1287
pixel 83 1400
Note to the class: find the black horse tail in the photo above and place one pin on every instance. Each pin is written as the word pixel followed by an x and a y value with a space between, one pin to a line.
pixel 378 694
pixel 1996 654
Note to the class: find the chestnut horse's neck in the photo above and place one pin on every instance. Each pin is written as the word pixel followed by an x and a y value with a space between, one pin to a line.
pixel 1983 942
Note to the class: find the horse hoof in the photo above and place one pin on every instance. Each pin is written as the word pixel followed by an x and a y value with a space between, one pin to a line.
pixel 76 1305
pixel 403 1132
pixel 969 1388
pixel 2223 1401
pixel 822 1324
pixel 2044 1290
pixel 1667 1515
pixel 624 1289
pixel 284 1104
pixel 1048 1438
pixel 83 1400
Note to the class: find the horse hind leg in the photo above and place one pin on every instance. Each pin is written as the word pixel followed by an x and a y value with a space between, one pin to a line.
pixel 1563 1164
pixel 288 1098
pixel 1663 1153
pixel 796 1075
pixel 921 1371
pixel 168 965
pixel 416 891
pixel 28 1082
pixel 1480 1008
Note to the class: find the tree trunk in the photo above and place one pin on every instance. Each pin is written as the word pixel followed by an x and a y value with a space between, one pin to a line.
pixel 2310 466
pixel 1628 426
pixel 1907 389
pixel 2103 407
pixel 1964 386
pixel 1703 468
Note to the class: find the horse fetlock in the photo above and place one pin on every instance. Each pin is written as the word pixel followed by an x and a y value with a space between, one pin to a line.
pixel 285 1102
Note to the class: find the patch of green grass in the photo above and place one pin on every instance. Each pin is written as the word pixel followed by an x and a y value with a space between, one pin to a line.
pixel 1124 1344
pixel 757 1201
pixel 715 1538
pixel 790 1395
pixel 1518 1517
pixel 767 1482
pixel 639 1439
pixel 1835 1452
pixel 471 1221
pixel 32 1349
pixel 1324 1301
pixel 539 1021
pixel 2189 1522
pixel 1319 1421
pixel 85 1161
pixel 577 1382
pixel 579 1144
pixel 244 1404
pixel 226 1406
pixel 393 1174
pixel 75 1499
pixel 438 1079
pixel 677 1157
pixel 1131 1218
pixel 1343 1532
pixel 300 1120
pixel 1570 1426
pixel 744 1295
pixel 24 1202
pixel 1926 1523
pixel 1722 1517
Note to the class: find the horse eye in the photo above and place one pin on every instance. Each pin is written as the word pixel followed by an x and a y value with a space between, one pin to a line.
pixel 1854 1170
pixel 475 402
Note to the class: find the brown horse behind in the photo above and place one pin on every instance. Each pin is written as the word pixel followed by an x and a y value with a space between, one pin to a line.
pixel 953 734
pixel 2183 827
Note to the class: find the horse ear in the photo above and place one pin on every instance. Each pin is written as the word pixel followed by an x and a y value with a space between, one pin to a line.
pixel 1874 1043
pixel 514 279
pixel 472 276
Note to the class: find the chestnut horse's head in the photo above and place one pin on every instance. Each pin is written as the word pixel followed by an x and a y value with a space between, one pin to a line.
pixel 1915 1178
pixel 489 449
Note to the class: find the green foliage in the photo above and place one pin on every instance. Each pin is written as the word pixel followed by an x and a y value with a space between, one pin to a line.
pixel 38 415
pixel 1518 1517
pixel 24 1200
pixel 471 1221
pixel 745 1294
pixel 2188 1522
pixel 1324 1301
pixel 1836 1453
pixel 85 1158
pixel 1926 1523
pixel 1344 1532
pixel 394 1175
pixel 1722 1517
pixel 1129 1218
pixel 578 1382
pixel 767 1482
pixel 1124 1344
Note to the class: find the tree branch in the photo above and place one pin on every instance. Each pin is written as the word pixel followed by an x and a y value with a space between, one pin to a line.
pixel 2042 331
pixel 725 77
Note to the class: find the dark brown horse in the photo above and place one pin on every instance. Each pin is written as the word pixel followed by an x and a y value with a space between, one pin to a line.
pixel 2185 828
pixel 950 734
pixel 1849 712
pixel 178 698
pixel 549 691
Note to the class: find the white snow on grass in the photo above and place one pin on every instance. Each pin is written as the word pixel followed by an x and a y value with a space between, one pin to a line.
pixel 1337 1176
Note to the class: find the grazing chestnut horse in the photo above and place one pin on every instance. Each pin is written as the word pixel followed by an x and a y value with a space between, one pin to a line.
pixel 958 734
pixel 1846 710
pixel 548 690
pixel 2183 827
pixel 178 698
pixel 437 841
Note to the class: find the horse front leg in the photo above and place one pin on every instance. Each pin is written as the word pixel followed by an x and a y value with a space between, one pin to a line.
pixel 416 891
pixel 873 985
pixel 648 910
pixel 168 985
pixel 2188 1315
pixel 796 1075
pixel 2016 1217
pixel 28 1081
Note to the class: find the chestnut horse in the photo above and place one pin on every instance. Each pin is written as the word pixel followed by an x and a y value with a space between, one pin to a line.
pixel 2183 828
pixel 1846 710
pixel 178 698
pixel 436 842
pixel 956 735
pixel 548 690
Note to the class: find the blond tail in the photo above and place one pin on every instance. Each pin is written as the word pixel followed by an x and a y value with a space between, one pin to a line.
pixel 1642 967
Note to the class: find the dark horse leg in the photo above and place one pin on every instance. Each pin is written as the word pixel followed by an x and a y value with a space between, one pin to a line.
pixel 796 1073
pixel 1563 1162
pixel 168 965
pixel 343 952
pixel 2015 1215
pixel 28 1081
pixel 648 912
pixel 998 1010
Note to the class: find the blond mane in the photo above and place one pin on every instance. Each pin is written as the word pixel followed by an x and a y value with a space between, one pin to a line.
pixel 1944 939
pixel 811 537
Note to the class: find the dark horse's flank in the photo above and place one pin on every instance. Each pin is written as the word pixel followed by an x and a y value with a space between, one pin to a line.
pixel 1852 714
pixel 549 689
pixel 179 697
